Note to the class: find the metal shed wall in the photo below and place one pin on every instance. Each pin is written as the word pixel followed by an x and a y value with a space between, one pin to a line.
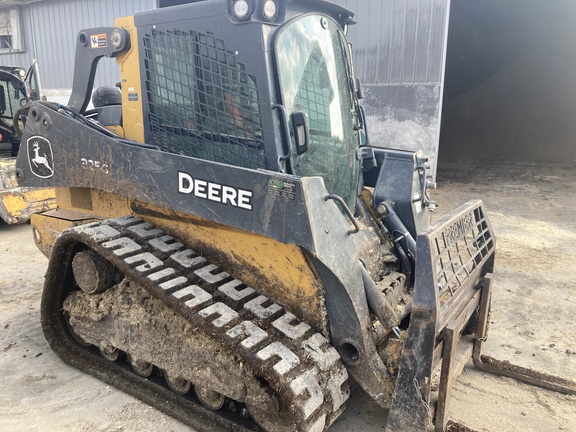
pixel 50 29
pixel 399 54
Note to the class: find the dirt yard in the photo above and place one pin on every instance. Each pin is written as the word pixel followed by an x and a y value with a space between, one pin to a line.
pixel 533 324
pixel 533 321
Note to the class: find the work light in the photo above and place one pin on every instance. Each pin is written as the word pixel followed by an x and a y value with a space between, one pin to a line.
pixel 241 9
pixel 270 9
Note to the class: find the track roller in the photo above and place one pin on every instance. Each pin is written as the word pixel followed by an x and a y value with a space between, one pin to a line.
pixel 177 384
pixel 110 353
pixel 209 398
pixel 141 367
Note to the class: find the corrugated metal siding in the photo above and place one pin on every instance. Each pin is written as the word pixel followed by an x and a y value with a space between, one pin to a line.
pixel 397 41
pixel 51 28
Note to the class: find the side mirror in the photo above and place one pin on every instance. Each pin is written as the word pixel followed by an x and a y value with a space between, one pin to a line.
pixel 301 129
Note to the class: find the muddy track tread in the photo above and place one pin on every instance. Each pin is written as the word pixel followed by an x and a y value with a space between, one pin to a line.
pixel 298 363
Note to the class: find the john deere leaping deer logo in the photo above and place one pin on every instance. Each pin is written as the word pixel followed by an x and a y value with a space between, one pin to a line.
pixel 40 157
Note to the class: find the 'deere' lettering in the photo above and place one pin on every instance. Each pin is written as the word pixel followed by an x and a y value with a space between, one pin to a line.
pixel 214 191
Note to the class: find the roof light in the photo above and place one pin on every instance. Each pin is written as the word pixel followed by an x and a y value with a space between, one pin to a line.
pixel 270 9
pixel 241 9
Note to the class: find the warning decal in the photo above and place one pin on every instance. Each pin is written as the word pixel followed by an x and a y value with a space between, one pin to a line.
pixel 98 41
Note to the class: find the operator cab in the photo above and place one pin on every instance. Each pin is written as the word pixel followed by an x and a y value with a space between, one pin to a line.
pixel 273 91
pixel 17 87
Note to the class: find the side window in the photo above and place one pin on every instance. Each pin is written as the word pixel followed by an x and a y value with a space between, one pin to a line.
pixel 10 100
pixel 11 33
pixel 202 102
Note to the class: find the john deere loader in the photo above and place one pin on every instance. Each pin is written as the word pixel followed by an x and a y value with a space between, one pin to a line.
pixel 227 244
pixel 17 88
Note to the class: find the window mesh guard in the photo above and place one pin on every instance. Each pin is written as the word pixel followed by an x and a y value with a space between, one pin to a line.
pixel 202 103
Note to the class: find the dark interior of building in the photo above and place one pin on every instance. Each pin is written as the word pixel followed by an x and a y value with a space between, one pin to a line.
pixel 510 88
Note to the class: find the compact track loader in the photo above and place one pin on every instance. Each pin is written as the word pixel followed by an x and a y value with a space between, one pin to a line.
pixel 17 88
pixel 228 246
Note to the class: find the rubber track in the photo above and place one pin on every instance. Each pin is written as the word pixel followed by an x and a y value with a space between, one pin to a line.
pixel 298 363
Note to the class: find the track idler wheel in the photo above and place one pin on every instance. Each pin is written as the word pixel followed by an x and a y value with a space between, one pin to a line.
pixel 177 384
pixel 209 398
pixel 93 273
